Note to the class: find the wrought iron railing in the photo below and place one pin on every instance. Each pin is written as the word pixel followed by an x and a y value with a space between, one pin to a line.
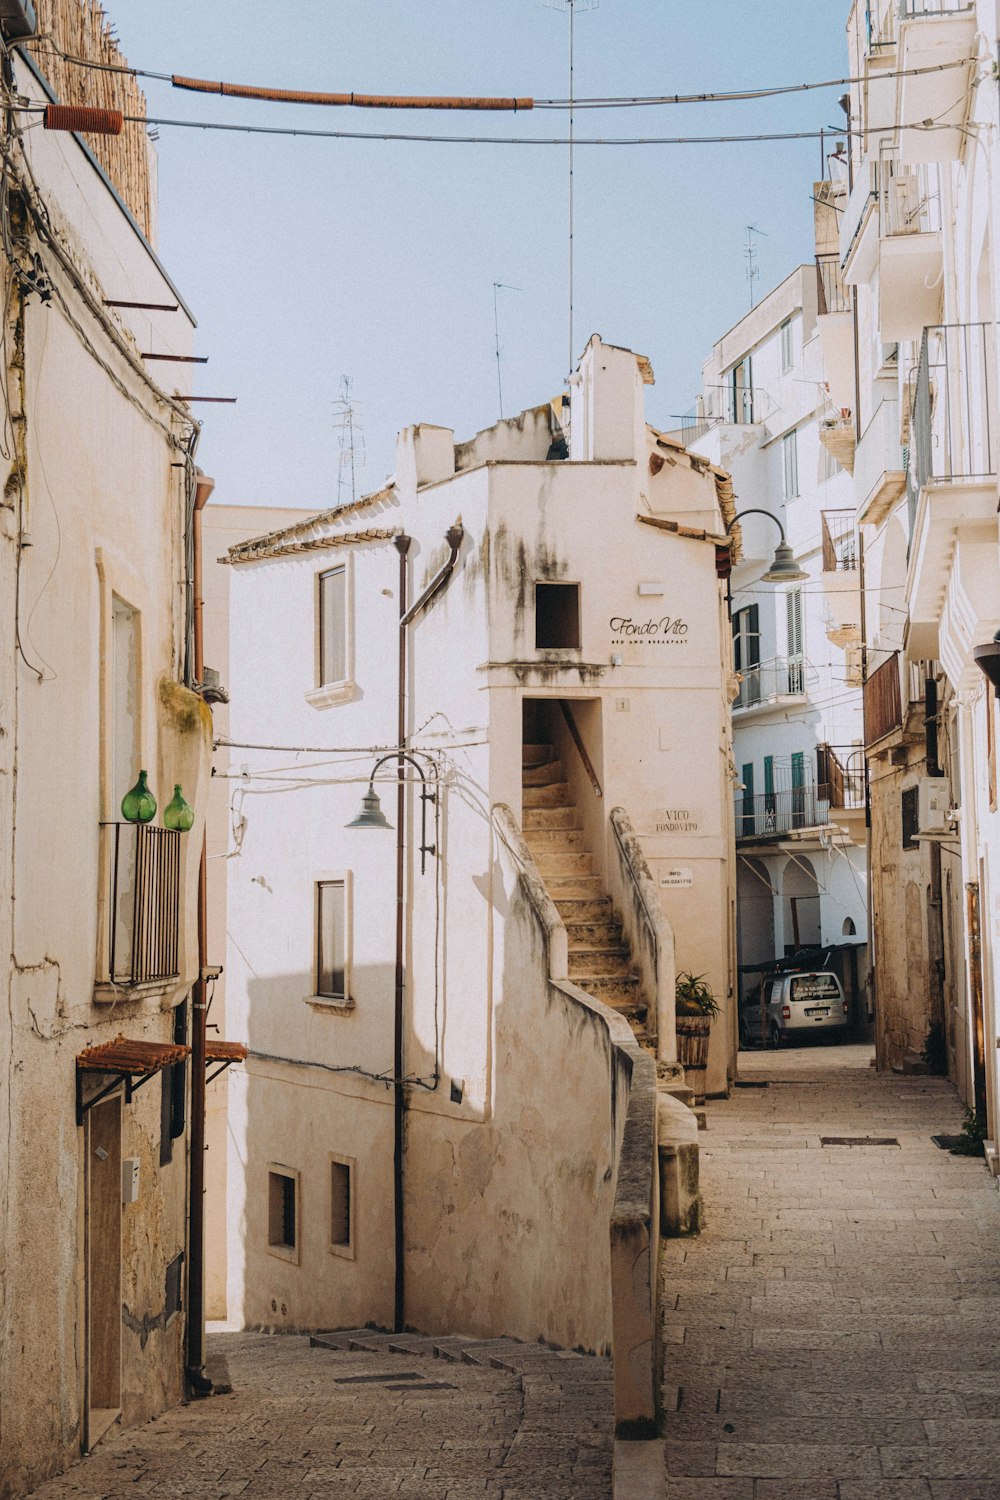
pixel 906 203
pixel 770 679
pixel 144 874
pixel 840 541
pixel 914 9
pixel 771 814
pixel 954 421
pixel 832 294
pixel 840 776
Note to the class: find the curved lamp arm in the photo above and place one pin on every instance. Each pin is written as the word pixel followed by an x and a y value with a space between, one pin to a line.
pixel 754 510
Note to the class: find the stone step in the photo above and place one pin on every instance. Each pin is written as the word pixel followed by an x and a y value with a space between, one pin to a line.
pixel 537 818
pixel 618 991
pixel 543 775
pixel 598 962
pixel 556 795
pixel 535 755
pixel 575 910
pixel 592 934
pixel 556 862
pixel 558 840
pixel 583 887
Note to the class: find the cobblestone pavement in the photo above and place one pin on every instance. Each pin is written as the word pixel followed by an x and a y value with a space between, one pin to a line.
pixel 834 1334
pixel 317 1422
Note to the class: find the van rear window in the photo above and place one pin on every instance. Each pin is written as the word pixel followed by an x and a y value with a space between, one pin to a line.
pixel 815 987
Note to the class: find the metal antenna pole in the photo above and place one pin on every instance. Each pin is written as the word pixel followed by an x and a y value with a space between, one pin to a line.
pixel 751 255
pixel 499 286
pixel 569 366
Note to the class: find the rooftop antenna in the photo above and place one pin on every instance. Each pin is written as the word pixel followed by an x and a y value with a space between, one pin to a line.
pixel 571 7
pixel 351 441
pixel 499 286
pixel 753 270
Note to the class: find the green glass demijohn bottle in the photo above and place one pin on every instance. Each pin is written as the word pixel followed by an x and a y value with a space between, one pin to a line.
pixel 139 805
pixel 178 814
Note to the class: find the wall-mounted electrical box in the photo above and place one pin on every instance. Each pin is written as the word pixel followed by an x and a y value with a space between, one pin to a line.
pixel 17 19
pixel 934 805
pixel 130 1179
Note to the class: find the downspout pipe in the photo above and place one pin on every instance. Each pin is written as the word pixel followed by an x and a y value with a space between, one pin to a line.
pixel 453 536
pixel 199 1384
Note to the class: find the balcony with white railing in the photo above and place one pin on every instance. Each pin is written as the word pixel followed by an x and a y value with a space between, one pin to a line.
pixel 879 471
pixel 771 684
pixel 910 248
pixel 935 61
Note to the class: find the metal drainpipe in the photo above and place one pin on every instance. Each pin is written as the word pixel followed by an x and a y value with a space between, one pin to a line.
pixel 198 1382
pixel 402 543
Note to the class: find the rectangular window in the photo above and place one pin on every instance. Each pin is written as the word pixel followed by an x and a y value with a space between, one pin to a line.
pixel 331 939
pixel 770 801
pixel 796 655
pixel 747 828
pixel 283 1212
pixel 909 805
pixel 557 616
pixel 333 626
pixel 787 346
pixel 798 789
pixel 342 1205
pixel 746 654
pixel 790 465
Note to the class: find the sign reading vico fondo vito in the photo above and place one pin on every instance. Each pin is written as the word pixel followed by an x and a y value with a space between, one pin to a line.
pixel 669 630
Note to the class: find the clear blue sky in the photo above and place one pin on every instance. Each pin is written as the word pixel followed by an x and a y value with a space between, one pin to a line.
pixel 305 260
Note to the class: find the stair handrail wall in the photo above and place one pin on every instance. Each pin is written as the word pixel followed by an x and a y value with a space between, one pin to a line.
pixel 648 930
pixel 635 1216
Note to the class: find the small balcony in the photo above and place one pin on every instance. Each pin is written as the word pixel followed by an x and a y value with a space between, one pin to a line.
pixel 771 683
pixel 879 472
pixel 910 249
pixel 938 35
pixel 883 701
pixel 836 329
pixel 839 541
pixel 772 815
pixel 859 225
pixel 832 295
pixel 139 941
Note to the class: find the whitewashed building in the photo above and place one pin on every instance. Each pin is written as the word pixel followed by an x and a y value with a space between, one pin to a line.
pixel 97 915
pixel 431 1125
pixel 797 717
pixel 918 252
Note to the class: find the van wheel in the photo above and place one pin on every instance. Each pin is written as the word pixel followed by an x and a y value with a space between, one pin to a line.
pixel 775 1034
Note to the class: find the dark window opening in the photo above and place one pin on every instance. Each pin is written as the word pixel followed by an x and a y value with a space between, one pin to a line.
pixel 281 1210
pixel 331 946
pixel 557 616
pixel 340 1203
pixel 909 805
pixel 172 1299
pixel 332 626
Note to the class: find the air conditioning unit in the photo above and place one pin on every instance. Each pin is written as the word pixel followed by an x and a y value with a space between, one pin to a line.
pixel 17 19
pixel 934 805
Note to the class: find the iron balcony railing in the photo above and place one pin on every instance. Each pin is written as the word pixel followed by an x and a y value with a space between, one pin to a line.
pixel 907 205
pixel 840 776
pixel 840 541
pixel 771 814
pixel 718 405
pixel 770 679
pixel 144 873
pixel 832 294
pixel 954 421
pixel 914 9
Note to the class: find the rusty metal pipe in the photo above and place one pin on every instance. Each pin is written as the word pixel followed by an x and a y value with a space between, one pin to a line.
pixel 352 100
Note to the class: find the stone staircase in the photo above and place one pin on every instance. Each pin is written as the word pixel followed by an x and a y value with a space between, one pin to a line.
pixel 496 1354
pixel 600 960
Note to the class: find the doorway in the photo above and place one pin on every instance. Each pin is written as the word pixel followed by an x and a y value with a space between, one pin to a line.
pixel 103 1267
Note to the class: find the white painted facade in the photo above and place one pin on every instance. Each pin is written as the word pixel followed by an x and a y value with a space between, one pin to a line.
pixel 800 834
pixel 93 596
pixel 919 248
pixel 513 1124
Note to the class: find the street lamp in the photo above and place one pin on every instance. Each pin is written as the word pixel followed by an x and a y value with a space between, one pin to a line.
pixel 371 815
pixel 987 659
pixel 784 568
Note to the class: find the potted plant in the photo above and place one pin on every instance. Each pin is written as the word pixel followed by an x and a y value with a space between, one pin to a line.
pixel 695 1009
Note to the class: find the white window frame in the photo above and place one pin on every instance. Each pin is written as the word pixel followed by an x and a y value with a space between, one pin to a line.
pixel 348 1250
pixel 345 689
pixel 787 334
pixel 330 1003
pixel 790 470
pixel 289 1253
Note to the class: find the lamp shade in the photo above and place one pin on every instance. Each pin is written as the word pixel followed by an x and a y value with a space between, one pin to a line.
pixel 784 568
pixel 987 659
pixel 371 814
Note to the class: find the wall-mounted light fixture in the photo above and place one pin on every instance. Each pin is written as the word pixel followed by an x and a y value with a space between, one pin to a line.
pixel 987 659
pixel 371 815
pixel 784 568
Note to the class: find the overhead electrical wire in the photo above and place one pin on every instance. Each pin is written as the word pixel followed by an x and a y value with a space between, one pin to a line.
pixel 472 102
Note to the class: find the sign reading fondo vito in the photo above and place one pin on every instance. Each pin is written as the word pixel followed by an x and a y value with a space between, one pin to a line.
pixel 668 630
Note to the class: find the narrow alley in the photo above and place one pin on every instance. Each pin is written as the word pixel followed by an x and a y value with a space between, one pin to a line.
pixel 832 1335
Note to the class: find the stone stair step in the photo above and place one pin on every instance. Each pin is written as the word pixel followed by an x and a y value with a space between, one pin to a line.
pixel 555 862
pixel 534 755
pixel 556 795
pixel 543 775
pixel 592 934
pixel 555 840
pixel 537 818
pixel 582 887
pixel 616 990
pixel 577 909
pixel 599 962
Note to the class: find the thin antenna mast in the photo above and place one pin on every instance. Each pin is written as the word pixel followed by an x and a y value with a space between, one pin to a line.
pixel 499 286
pixel 753 270
pixel 572 6
pixel 351 442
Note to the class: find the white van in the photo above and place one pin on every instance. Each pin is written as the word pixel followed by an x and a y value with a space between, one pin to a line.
pixel 794 1004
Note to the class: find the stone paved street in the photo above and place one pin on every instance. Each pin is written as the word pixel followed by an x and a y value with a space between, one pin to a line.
pixel 327 1422
pixel 835 1332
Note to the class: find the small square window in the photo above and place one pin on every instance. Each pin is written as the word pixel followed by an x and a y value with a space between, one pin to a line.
pixel 342 1205
pixel 909 803
pixel 283 1212
pixel 332 626
pixel 557 616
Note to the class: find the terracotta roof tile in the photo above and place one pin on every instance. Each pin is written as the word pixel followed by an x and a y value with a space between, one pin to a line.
pixel 225 1052
pixel 128 1055
pixel 263 549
